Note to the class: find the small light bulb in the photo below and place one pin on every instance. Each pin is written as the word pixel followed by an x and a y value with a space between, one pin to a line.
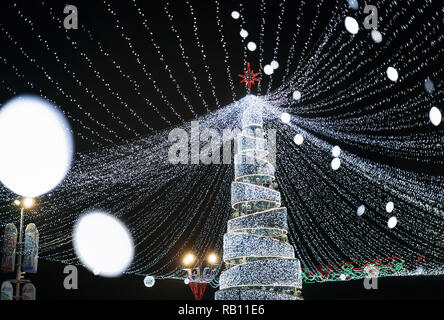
pixel 189 259
pixel 212 258
pixel 28 202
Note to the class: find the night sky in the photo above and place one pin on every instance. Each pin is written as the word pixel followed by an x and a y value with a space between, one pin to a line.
pixel 94 17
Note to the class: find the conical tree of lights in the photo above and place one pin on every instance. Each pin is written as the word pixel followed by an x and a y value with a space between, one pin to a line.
pixel 260 262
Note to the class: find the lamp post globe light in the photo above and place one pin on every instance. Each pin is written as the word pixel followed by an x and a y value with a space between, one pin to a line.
pixel 25 203
pixel 199 276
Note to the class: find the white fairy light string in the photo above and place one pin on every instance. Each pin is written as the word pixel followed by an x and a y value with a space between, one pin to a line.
pixel 278 39
pixel 169 209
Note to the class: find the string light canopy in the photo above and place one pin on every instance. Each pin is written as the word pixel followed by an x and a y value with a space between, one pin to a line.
pixel 131 93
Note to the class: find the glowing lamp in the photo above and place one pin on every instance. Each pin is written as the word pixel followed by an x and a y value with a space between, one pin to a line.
pixel 189 259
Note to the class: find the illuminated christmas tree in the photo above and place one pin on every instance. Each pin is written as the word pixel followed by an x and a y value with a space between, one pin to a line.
pixel 260 262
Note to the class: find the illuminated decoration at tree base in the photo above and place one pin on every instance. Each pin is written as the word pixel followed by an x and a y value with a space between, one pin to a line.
pixel 260 261
pixel 198 279
pixel 198 289
pixel 387 267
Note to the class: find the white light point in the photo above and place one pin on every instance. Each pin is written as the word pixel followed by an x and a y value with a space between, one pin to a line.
pixel 244 33
pixel 251 46
pixel 149 281
pixel 36 146
pixel 353 4
pixel 296 95
pixel 285 117
pixel 429 86
pixel 392 74
pixel 435 116
pixel 336 151
pixel 361 210
pixel 335 164
pixel 376 36
pixel 235 15
pixel 298 139
pixel 351 25
pixel 274 64
pixel 268 69
pixel 103 244
pixel 389 207
pixel 392 222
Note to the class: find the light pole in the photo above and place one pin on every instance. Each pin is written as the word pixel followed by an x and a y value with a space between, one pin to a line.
pixel 25 203
pixel 198 277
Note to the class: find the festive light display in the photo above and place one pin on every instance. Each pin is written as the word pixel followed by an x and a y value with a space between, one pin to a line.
pixel 249 77
pixel 256 249
pixel 332 85
pixel 386 267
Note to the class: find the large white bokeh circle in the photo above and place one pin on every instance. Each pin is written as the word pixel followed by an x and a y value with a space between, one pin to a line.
pixel 103 244
pixel 36 146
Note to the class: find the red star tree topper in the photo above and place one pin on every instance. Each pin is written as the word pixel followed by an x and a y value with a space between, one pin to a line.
pixel 249 77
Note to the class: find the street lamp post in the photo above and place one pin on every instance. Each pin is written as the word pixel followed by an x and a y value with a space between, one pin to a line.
pixel 198 277
pixel 28 203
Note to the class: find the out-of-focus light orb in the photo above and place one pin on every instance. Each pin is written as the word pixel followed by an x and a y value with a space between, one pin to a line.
pixel 389 207
pixel 103 244
pixel 189 259
pixel 392 222
pixel 351 25
pixel 429 86
pixel 149 281
pixel 212 258
pixel 296 95
pixel 243 33
pixel 298 139
pixel 335 163
pixel 28 202
pixel 392 74
pixel 268 69
pixel 336 151
pixel 251 46
pixel 342 277
pixel 274 64
pixel 353 4
pixel 186 281
pixel 17 202
pixel 36 146
pixel 376 36
pixel 361 210
pixel 235 15
pixel 285 117
pixel 435 116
